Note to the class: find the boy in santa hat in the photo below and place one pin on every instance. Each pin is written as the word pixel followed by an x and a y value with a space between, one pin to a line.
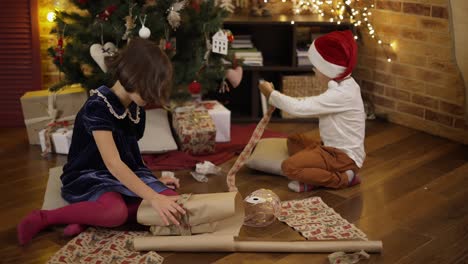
pixel 335 162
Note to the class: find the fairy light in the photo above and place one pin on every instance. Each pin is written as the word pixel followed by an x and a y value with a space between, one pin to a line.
pixel 341 12
pixel 51 16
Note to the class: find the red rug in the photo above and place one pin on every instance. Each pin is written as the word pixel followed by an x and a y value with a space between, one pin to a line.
pixel 178 160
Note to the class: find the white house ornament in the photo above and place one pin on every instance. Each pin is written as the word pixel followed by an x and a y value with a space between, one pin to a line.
pixel 99 52
pixel 220 42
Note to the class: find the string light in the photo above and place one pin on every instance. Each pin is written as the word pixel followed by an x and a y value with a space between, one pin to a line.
pixel 51 16
pixel 339 13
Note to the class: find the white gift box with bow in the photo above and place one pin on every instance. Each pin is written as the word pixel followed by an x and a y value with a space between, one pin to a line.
pixel 61 140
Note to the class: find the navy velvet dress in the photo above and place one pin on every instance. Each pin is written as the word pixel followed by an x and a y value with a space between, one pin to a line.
pixel 85 176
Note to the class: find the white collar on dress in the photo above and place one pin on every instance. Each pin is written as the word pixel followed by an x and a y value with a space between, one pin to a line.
pixel 135 120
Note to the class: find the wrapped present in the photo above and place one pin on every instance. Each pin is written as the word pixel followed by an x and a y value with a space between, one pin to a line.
pixel 59 141
pixel 222 119
pixel 43 107
pixel 195 130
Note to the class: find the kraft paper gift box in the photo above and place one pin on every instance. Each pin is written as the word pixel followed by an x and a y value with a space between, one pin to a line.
pixel 222 119
pixel 60 139
pixel 35 105
pixel 196 132
pixel 206 213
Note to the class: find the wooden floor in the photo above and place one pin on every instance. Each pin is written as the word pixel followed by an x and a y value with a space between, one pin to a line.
pixel 414 197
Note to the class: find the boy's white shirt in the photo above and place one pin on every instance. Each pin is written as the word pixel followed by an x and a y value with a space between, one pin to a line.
pixel 340 109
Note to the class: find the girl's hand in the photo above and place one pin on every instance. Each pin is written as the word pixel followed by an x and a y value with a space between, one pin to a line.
pixel 167 208
pixel 266 88
pixel 170 182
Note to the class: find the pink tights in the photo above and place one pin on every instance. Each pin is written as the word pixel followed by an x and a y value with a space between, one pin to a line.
pixel 109 210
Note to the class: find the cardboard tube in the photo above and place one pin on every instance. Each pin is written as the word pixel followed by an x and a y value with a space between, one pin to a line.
pixel 210 243
pixel 308 246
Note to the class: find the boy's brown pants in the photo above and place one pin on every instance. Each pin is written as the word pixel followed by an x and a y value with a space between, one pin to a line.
pixel 311 162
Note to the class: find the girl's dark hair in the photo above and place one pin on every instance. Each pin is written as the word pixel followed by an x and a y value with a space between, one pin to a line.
pixel 142 67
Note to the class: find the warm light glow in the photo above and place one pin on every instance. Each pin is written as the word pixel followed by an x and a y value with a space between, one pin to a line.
pixel 389 60
pixel 51 16
pixel 342 11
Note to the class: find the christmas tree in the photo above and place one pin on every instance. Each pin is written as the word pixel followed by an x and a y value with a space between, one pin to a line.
pixel 100 27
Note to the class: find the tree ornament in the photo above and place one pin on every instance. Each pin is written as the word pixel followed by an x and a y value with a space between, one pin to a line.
pixel 234 76
pixel 226 5
pixel 223 87
pixel 86 69
pixel 99 52
pixel 174 14
pixel 195 90
pixel 144 32
pixel 150 3
pixel 220 42
pixel 195 4
pixel 129 23
pixel 104 15
pixel 59 51
pixel 194 87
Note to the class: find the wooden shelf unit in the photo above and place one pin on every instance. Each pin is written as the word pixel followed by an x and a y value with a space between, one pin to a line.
pixel 277 38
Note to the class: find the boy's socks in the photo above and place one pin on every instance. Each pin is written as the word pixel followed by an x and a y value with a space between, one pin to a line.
pixel 296 186
pixel 355 181
pixel 350 174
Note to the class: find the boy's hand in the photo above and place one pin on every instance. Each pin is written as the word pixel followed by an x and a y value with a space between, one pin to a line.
pixel 266 88
pixel 170 182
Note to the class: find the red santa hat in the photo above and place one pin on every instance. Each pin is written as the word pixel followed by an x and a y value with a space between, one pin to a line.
pixel 334 54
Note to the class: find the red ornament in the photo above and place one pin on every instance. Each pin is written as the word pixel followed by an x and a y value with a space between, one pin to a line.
pixel 168 45
pixel 195 4
pixel 104 15
pixel 194 87
pixel 59 51
pixel 230 38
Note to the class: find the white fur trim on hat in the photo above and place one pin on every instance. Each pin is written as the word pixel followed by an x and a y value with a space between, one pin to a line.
pixel 329 69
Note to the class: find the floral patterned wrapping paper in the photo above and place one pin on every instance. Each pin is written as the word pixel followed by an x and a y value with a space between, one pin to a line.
pixel 316 221
pixel 100 246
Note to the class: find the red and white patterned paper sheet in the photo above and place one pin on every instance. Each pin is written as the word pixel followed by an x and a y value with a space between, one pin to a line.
pixel 316 221
pixel 103 246
pixel 195 130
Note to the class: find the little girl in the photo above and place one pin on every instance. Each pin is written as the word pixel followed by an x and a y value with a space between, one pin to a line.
pixel 340 109
pixel 105 178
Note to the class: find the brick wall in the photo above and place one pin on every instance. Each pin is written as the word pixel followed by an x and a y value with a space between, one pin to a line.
pixel 421 87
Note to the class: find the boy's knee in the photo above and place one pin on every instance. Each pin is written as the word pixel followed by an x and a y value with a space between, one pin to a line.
pixel 290 170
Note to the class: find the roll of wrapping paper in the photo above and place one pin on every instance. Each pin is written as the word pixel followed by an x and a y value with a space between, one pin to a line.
pixel 227 243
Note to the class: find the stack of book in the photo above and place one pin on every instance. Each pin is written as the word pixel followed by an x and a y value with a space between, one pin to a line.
pixel 242 42
pixel 303 58
pixel 243 49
